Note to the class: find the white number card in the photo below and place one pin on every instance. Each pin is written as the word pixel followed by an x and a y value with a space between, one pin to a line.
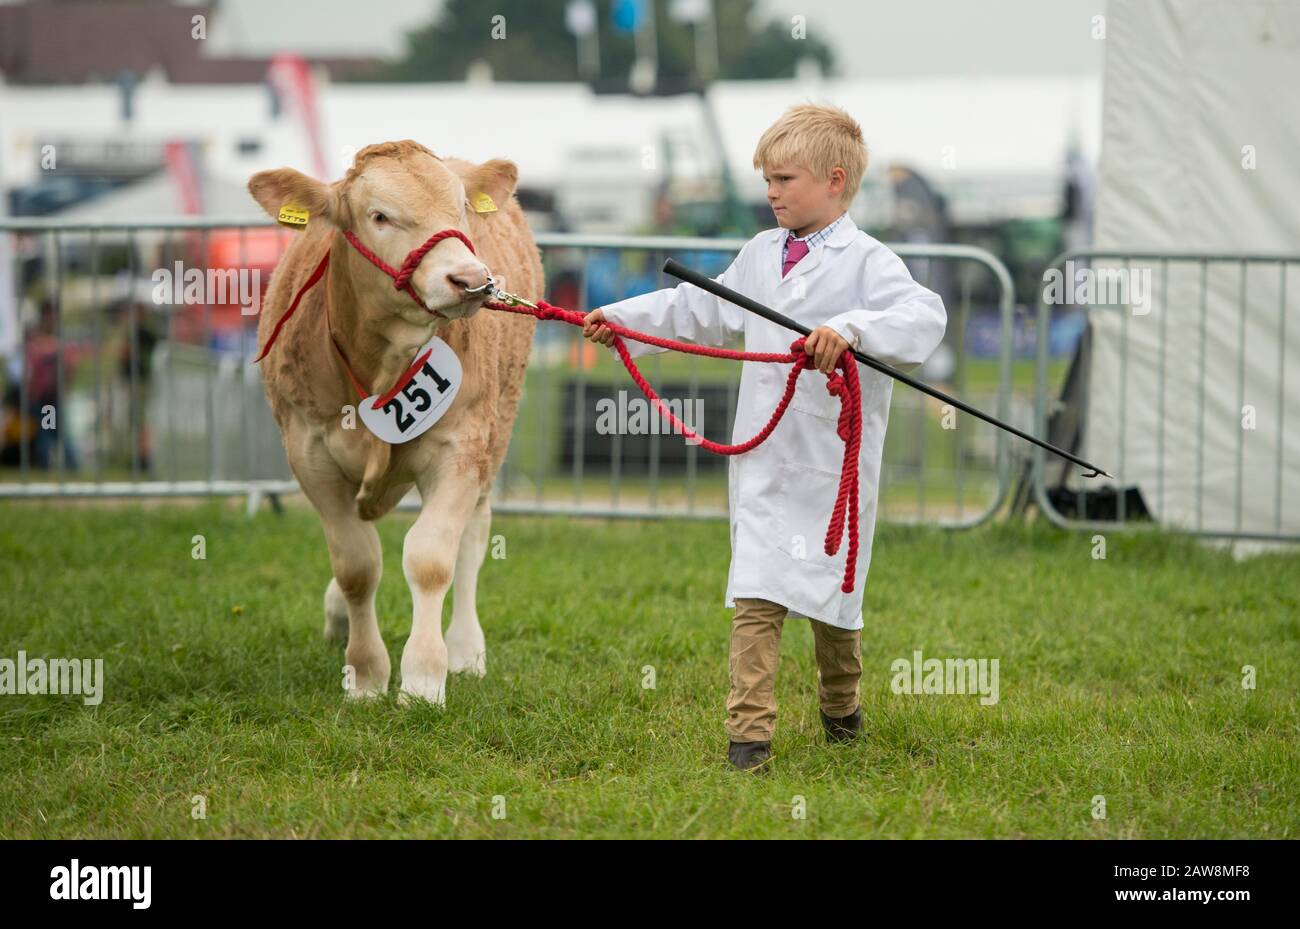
pixel 421 403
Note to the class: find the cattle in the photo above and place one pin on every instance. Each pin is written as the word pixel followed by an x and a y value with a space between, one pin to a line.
pixel 353 330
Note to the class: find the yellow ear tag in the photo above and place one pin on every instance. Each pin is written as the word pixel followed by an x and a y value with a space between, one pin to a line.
pixel 293 216
pixel 482 203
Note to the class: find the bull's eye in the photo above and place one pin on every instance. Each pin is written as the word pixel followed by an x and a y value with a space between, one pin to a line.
pixel 379 218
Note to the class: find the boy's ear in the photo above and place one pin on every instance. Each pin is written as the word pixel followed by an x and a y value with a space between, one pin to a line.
pixel 496 178
pixel 287 187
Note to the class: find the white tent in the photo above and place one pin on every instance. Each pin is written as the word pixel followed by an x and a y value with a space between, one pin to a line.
pixel 1198 153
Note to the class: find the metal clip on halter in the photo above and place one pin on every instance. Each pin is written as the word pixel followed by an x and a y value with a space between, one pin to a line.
pixel 498 294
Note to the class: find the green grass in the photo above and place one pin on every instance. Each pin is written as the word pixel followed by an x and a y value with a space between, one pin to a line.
pixel 1118 677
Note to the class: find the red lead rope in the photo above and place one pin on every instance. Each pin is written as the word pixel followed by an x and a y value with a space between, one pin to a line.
pixel 843 384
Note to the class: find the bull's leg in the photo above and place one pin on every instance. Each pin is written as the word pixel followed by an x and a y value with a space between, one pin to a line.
pixel 428 560
pixel 357 563
pixel 466 650
pixel 336 613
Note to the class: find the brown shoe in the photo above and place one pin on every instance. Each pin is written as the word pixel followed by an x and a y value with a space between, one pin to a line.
pixel 844 729
pixel 750 756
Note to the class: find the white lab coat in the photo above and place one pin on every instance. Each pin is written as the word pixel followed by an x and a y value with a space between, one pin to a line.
pixel 782 492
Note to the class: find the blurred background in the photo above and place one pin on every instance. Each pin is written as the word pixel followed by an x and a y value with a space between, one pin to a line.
pixel 624 116
pixel 128 131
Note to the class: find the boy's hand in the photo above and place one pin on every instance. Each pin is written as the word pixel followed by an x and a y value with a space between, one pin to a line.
pixel 825 345
pixel 592 328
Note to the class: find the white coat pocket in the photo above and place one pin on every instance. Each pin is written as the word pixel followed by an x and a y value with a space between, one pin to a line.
pixel 806 499
pixel 811 396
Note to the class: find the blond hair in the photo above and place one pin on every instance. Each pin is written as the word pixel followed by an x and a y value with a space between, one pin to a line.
pixel 816 137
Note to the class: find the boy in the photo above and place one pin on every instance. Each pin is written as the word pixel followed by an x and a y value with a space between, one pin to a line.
pixel 819 269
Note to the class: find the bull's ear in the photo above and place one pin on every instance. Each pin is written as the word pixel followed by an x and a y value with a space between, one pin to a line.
pixel 287 187
pixel 496 178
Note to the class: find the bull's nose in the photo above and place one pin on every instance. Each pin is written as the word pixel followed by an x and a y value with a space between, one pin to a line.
pixel 467 277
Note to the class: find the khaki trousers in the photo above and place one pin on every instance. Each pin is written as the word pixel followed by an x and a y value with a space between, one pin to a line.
pixel 755 652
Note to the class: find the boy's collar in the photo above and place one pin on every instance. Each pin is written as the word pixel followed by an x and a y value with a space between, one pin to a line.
pixel 841 235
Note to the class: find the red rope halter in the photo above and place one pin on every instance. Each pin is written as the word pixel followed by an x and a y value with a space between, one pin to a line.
pixel 401 281
pixel 402 276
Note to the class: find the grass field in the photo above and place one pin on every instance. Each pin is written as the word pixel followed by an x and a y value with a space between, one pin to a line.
pixel 1118 677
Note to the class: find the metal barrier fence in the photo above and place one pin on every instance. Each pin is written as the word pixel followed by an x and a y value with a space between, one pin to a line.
pixel 165 403
pixel 1181 395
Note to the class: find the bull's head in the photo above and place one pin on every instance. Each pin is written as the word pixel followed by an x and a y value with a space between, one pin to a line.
pixel 393 198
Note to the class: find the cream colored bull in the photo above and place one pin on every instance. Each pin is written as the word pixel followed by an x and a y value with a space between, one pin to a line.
pixel 395 196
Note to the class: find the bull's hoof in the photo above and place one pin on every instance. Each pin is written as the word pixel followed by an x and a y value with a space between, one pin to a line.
pixel 424 672
pixel 365 693
pixel 467 655
pixel 367 670
pixel 423 689
pixel 474 664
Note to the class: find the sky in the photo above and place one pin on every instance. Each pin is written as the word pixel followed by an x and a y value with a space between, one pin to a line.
pixel 871 38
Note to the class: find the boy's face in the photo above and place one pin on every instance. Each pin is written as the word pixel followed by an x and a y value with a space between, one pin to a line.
pixel 802 201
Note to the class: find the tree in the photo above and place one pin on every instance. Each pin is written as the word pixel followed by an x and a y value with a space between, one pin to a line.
pixel 524 40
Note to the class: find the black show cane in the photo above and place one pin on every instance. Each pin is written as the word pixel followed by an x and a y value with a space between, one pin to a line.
pixel 679 270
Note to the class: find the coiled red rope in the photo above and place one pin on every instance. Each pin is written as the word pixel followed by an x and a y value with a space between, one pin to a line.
pixel 843 383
